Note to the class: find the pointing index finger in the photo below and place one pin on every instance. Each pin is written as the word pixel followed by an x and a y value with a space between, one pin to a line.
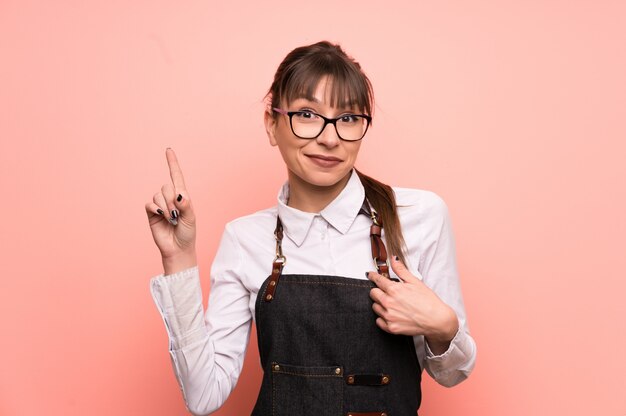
pixel 175 172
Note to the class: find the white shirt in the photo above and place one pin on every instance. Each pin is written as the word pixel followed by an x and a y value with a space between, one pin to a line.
pixel 207 349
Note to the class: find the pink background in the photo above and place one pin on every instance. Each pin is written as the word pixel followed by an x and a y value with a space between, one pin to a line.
pixel 514 112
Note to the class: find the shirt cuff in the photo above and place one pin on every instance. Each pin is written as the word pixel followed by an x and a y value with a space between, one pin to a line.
pixel 455 363
pixel 431 354
pixel 178 297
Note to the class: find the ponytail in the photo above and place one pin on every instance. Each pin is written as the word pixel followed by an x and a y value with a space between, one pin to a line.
pixel 383 200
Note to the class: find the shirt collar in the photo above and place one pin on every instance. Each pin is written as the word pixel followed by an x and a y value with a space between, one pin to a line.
pixel 340 213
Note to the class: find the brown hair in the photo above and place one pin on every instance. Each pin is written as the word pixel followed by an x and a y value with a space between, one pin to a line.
pixel 298 75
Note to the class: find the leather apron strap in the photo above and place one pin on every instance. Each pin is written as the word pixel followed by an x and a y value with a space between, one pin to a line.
pixel 379 252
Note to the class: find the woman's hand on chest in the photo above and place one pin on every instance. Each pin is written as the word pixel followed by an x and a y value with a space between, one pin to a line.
pixel 412 308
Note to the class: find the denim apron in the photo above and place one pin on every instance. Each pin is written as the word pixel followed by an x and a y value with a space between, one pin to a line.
pixel 321 350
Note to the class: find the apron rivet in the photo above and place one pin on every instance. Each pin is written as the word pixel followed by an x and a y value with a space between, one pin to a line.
pixel 268 297
pixel 350 380
pixel 385 380
pixel 337 370
pixel 272 283
pixel 275 271
pixel 383 414
pixel 276 367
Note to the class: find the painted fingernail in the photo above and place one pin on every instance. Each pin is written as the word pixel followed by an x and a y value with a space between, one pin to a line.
pixel 173 221
pixel 180 197
pixel 396 257
pixel 367 274
pixel 160 211
pixel 174 214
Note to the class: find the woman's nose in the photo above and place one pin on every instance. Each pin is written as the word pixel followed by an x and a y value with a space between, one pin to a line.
pixel 328 137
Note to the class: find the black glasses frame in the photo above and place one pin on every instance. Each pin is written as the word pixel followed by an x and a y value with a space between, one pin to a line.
pixel 327 121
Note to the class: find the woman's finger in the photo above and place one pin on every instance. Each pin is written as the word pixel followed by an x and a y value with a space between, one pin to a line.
pixel 168 194
pixel 378 296
pixel 182 203
pixel 401 271
pixel 382 324
pixel 153 209
pixel 159 199
pixel 380 281
pixel 379 310
pixel 175 171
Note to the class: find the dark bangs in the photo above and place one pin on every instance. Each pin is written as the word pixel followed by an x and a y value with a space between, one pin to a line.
pixel 301 71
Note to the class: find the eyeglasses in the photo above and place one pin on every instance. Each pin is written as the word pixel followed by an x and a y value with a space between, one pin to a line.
pixel 306 124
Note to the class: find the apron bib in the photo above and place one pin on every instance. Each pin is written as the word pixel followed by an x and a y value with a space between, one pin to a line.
pixel 321 350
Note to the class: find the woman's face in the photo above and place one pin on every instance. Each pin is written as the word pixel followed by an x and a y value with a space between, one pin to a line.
pixel 323 161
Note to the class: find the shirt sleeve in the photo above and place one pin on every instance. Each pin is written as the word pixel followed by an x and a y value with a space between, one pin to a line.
pixel 441 275
pixel 207 349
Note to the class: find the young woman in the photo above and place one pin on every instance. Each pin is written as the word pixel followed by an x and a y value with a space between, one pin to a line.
pixel 339 331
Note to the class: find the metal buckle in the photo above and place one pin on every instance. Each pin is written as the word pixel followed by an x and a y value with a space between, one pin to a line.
pixel 379 263
pixel 279 251
pixel 374 215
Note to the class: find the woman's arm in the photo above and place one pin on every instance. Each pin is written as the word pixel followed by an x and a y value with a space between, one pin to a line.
pixel 207 349
pixel 454 364
pixel 429 308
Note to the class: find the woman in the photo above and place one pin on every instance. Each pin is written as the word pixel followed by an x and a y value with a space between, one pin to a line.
pixel 333 340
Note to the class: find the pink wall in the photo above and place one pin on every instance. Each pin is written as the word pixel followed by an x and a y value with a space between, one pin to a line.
pixel 514 112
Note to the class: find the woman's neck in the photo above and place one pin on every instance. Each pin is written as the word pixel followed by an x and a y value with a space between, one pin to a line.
pixel 312 198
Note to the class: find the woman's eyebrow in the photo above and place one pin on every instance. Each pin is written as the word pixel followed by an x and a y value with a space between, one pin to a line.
pixel 345 106
pixel 312 99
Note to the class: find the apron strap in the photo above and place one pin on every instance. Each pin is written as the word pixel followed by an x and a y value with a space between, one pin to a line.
pixel 379 252
pixel 277 264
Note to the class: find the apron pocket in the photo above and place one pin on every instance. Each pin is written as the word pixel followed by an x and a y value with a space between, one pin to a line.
pixel 299 390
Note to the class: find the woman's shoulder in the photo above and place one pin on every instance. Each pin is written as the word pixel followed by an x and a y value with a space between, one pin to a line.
pixel 257 222
pixel 423 214
pixel 422 201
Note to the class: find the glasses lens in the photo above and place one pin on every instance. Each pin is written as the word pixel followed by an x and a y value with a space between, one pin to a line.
pixel 306 124
pixel 351 127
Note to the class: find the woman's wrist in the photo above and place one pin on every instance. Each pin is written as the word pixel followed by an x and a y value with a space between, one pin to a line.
pixel 439 339
pixel 179 262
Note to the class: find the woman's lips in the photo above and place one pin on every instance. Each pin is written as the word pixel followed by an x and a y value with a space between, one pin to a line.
pixel 324 161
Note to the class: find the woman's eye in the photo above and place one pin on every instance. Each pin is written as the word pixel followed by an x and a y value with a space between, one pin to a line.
pixel 306 115
pixel 349 118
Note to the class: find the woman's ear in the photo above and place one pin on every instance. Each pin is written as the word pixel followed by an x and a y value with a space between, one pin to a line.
pixel 270 126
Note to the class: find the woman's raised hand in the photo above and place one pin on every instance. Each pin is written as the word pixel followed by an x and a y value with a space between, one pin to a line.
pixel 172 220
